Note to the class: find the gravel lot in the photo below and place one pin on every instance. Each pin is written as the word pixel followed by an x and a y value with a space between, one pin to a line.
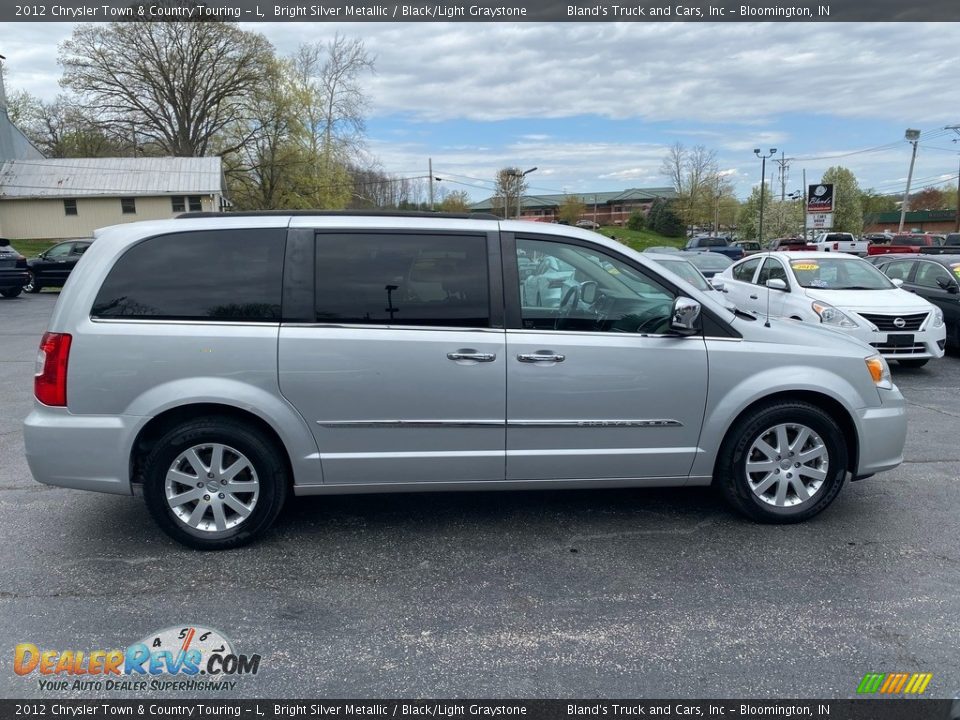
pixel 655 593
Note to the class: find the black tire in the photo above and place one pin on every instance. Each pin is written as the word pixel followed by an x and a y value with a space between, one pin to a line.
pixel 263 455
pixel 10 292
pixel 731 478
pixel 33 286
pixel 913 363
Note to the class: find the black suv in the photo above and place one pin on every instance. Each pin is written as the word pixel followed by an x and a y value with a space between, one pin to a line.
pixel 52 267
pixel 13 270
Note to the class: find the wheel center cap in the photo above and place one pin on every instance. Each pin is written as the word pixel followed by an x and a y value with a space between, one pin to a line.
pixel 785 465
pixel 213 486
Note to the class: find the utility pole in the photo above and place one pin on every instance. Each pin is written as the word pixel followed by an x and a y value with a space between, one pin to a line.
pixel 430 171
pixel 956 129
pixel 912 136
pixel 784 166
pixel 803 203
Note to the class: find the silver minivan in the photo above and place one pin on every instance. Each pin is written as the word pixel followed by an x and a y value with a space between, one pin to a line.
pixel 223 362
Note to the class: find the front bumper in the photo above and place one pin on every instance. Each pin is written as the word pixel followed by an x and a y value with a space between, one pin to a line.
pixel 927 342
pixel 883 433
pixel 85 452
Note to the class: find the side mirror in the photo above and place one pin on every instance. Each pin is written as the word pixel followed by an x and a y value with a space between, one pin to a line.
pixel 716 282
pixel 684 316
pixel 947 284
pixel 588 292
pixel 897 282
pixel 776 284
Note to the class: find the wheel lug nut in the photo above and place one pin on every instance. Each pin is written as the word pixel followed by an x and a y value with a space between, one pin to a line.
pixel 797 465
pixel 789 475
pixel 210 475
pixel 207 498
pixel 221 496
pixel 223 482
pixel 199 485
pixel 777 471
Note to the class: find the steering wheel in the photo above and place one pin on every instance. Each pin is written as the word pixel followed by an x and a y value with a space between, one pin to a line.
pixel 569 301
pixel 650 320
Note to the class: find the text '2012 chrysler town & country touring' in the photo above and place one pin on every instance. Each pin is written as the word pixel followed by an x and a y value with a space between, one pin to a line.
pixel 224 362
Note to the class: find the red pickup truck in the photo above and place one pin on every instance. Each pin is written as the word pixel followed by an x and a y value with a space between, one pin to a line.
pixel 907 243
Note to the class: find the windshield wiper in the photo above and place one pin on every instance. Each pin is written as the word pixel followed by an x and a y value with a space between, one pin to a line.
pixel 855 287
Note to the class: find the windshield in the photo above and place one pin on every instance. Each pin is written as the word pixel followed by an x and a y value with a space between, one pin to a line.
pixel 839 274
pixel 711 261
pixel 687 271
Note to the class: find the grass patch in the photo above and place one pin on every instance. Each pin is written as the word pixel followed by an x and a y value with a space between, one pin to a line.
pixel 640 239
pixel 32 248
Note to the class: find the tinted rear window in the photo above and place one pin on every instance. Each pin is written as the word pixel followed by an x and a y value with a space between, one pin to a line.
pixel 402 279
pixel 208 275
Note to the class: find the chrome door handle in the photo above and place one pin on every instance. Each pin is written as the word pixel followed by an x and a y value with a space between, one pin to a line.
pixel 471 355
pixel 540 357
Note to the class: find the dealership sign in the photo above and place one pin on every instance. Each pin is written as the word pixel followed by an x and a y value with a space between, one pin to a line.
pixel 820 221
pixel 820 198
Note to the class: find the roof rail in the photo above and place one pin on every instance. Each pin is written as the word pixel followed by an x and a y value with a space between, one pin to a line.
pixel 343 213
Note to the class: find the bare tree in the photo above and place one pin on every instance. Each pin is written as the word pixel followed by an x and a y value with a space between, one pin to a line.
pixel 180 83
pixel 693 173
pixel 61 129
pixel 509 185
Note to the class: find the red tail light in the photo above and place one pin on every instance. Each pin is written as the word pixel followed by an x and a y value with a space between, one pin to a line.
pixel 50 375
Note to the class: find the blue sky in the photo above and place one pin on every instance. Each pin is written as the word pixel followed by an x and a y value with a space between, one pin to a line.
pixel 594 106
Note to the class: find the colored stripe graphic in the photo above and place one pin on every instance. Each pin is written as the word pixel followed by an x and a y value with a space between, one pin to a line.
pixel 894 683
pixel 870 683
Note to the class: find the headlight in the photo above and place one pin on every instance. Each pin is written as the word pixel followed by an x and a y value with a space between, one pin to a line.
pixel 937 316
pixel 829 315
pixel 879 371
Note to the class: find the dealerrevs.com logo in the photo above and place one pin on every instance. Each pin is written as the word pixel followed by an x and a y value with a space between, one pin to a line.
pixel 174 659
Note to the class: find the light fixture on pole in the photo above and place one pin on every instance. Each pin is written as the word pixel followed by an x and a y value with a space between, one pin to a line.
pixel 763 182
pixel 519 176
pixel 911 136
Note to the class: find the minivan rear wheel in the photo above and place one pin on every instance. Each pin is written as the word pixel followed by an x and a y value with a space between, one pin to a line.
pixel 214 483
pixel 782 463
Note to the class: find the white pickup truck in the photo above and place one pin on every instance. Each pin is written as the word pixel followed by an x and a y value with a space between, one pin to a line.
pixel 841 242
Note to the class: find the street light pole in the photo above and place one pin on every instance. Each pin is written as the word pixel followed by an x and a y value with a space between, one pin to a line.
pixel 520 177
pixel 912 136
pixel 763 182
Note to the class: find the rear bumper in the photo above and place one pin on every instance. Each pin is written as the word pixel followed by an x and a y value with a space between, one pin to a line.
pixel 883 433
pixel 85 452
pixel 14 278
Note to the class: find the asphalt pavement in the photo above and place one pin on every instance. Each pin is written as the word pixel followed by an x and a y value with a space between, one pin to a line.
pixel 607 593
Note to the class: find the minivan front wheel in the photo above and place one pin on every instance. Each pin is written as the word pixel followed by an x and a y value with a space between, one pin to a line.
pixel 782 463
pixel 214 483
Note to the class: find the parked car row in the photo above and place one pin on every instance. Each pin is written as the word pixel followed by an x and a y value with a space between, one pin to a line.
pixel 51 268
pixel 842 292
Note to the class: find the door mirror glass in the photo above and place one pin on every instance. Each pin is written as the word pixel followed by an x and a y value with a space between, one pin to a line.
pixel 683 317
pixel 588 292
pixel 897 282
pixel 776 284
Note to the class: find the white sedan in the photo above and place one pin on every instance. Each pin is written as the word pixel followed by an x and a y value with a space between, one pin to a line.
pixel 842 292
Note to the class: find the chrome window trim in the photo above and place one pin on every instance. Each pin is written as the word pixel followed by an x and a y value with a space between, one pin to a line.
pixel 151 321
pixel 364 326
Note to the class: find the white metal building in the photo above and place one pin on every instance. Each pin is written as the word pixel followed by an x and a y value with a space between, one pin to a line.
pixel 70 198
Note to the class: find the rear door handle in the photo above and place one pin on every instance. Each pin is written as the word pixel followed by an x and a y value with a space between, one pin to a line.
pixel 754 297
pixel 470 354
pixel 539 357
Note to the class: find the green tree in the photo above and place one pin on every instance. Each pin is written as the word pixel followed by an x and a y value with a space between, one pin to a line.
pixel 847 207
pixel 637 220
pixel 571 209
pixel 664 220
pixel 748 222
pixel 456 201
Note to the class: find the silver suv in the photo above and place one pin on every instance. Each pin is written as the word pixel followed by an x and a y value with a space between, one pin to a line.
pixel 225 362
